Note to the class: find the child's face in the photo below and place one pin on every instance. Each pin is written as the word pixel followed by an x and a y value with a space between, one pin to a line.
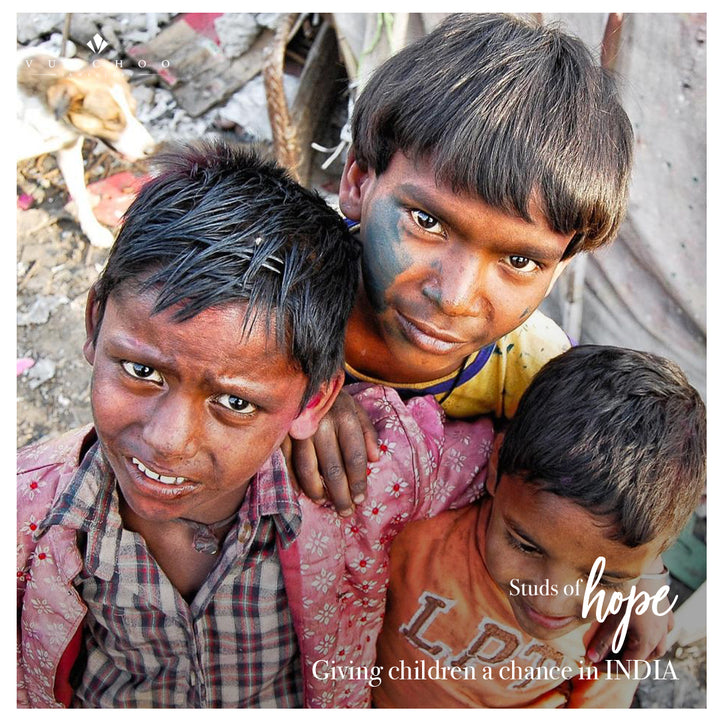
pixel 443 274
pixel 193 401
pixel 534 536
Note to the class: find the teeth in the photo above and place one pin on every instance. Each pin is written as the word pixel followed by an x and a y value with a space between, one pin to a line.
pixel 165 479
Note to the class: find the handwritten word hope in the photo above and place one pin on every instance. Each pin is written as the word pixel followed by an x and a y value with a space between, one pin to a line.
pixel 641 599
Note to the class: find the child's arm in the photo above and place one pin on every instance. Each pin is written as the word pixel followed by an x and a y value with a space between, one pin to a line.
pixel 424 466
pixel 332 465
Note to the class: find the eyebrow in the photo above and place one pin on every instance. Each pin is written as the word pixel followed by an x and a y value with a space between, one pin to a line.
pixel 424 198
pixel 429 203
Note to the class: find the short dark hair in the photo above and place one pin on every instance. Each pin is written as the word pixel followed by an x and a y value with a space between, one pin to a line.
pixel 219 225
pixel 619 432
pixel 510 111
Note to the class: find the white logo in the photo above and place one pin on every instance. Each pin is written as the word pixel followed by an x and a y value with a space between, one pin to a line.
pixel 97 44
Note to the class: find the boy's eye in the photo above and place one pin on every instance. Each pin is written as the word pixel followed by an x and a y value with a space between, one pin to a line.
pixel 236 404
pixel 141 372
pixel 426 221
pixel 615 585
pixel 522 264
pixel 521 546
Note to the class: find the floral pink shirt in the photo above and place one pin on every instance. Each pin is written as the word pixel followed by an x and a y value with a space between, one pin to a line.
pixel 336 572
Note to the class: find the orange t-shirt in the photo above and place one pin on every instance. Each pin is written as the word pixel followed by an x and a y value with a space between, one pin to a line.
pixel 450 638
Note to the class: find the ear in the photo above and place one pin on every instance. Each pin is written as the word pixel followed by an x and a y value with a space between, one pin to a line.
pixel 556 274
pixel 351 188
pixel 306 423
pixel 491 480
pixel 59 97
pixel 92 325
pixel 101 104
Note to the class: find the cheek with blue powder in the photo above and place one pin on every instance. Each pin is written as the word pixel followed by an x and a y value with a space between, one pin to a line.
pixel 383 257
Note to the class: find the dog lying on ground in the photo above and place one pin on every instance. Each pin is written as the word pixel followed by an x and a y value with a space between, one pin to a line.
pixel 61 101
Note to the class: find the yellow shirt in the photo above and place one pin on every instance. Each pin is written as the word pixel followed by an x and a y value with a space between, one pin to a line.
pixel 495 377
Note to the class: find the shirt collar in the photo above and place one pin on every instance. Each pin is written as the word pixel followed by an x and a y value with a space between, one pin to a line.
pixel 271 494
pixel 90 505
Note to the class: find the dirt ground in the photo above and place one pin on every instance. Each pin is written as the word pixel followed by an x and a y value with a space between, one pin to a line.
pixel 55 268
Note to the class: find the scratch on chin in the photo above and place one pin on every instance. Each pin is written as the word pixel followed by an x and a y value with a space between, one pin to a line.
pixel 525 313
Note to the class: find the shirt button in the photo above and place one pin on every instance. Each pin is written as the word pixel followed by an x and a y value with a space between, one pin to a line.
pixel 245 532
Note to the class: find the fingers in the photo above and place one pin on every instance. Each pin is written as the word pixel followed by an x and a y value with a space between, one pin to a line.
pixel 352 439
pixel 345 440
pixel 332 468
pixel 601 642
pixel 304 470
pixel 332 465
pixel 636 649
pixel 369 433
pixel 286 449
pixel 648 636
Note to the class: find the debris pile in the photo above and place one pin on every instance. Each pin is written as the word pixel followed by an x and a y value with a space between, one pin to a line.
pixel 196 74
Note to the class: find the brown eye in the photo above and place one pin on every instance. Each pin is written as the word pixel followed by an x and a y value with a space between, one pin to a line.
pixel 522 264
pixel 236 404
pixel 141 372
pixel 426 221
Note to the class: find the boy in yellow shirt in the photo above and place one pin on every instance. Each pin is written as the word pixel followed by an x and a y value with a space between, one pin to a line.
pixel 485 156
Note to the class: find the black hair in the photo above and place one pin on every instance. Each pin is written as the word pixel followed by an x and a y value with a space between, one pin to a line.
pixel 511 112
pixel 619 432
pixel 218 225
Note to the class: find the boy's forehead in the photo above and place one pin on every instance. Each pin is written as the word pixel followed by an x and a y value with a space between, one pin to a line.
pixel 531 506
pixel 422 170
pixel 136 293
pixel 228 323
pixel 562 525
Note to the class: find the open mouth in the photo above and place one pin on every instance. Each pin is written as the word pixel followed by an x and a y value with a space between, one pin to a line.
pixel 152 475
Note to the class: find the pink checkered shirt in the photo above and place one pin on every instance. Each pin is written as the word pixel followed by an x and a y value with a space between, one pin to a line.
pixel 145 646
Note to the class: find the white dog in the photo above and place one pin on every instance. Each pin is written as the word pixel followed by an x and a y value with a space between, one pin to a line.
pixel 60 102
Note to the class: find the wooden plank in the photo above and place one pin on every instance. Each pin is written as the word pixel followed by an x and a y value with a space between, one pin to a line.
pixel 314 101
pixel 197 72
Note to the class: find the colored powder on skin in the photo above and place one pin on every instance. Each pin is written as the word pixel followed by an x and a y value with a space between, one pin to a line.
pixel 383 260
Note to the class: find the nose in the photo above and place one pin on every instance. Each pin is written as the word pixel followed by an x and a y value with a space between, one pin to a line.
pixel 557 605
pixel 173 429
pixel 135 143
pixel 149 146
pixel 564 594
pixel 458 287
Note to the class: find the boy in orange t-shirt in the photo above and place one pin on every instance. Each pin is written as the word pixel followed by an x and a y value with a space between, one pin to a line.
pixel 486 605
